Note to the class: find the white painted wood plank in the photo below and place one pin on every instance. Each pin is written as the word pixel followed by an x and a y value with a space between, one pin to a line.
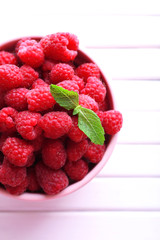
pixel 92 30
pixel 85 7
pixel 100 194
pixel 140 127
pixel 128 63
pixel 138 95
pixel 133 161
pixel 78 225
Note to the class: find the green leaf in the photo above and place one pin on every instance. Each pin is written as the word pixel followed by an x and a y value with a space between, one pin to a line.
pixel 77 110
pixel 65 98
pixel 90 124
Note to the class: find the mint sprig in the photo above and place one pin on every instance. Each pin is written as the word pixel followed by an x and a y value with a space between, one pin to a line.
pixel 90 124
pixel 88 121
pixel 67 99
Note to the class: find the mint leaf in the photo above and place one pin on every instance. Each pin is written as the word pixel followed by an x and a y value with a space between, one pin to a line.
pixel 77 110
pixel 90 124
pixel 88 121
pixel 65 98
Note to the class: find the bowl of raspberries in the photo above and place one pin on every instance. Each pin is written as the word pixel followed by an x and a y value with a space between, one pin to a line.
pixel 58 122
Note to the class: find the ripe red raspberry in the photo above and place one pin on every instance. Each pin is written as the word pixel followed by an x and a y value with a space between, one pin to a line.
pixel 60 46
pixel 69 85
pixel 7 119
pixel 76 170
pixel 16 98
pixel 7 58
pixel 88 102
pixel 39 83
pixel 11 175
pixel 37 143
pixel 19 43
pixel 73 41
pixel 95 152
pixel 31 53
pixel 54 154
pixel 75 134
pixel 100 115
pixel 79 81
pixel 112 121
pixel 46 77
pixel 95 89
pixel 27 125
pixel 40 99
pixel 75 151
pixel 30 161
pixel 17 151
pixel 60 72
pixel 86 70
pixel 29 76
pixel 55 124
pixel 4 136
pixel 10 77
pixel 48 65
pixel 18 190
pixel 51 181
pixel 33 185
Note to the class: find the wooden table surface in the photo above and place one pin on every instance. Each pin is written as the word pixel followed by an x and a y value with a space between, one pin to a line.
pixel 123 201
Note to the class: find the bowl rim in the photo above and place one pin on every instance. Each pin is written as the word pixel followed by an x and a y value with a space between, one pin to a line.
pixel 27 196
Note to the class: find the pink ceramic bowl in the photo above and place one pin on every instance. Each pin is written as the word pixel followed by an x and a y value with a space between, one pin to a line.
pixel 81 58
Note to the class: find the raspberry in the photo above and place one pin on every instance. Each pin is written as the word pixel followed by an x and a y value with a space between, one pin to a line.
pixel 79 81
pixel 86 70
pixel 55 124
pixel 18 190
pixel 10 77
pixel 75 134
pixel 11 175
pixel 112 122
pixel 88 102
pixel 51 181
pixel 100 115
pixel 3 138
pixel 19 43
pixel 95 89
pixel 30 161
pixel 29 76
pixel 48 65
pixel 60 46
pixel 17 151
pixel 16 98
pixel 31 53
pixel 69 85
pixel 37 143
pixel 75 151
pixel 95 152
pixel 76 170
pixel 40 99
pixel 39 83
pixel 7 119
pixel 33 185
pixel 7 58
pixel 27 125
pixel 60 72
pixel 73 41
pixel 54 154
pixel 46 77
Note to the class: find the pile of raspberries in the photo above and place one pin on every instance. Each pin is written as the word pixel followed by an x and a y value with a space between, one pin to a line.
pixel 42 150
